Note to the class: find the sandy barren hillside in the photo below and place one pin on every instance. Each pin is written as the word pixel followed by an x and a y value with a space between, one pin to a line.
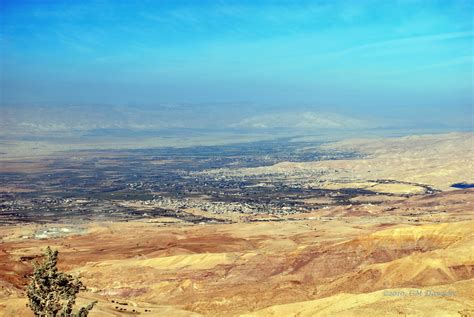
pixel 349 265
pixel 435 160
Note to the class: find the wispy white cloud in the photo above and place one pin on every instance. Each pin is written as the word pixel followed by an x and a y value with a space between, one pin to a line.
pixel 462 60
pixel 406 41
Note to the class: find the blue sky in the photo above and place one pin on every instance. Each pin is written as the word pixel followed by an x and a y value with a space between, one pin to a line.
pixel 380 57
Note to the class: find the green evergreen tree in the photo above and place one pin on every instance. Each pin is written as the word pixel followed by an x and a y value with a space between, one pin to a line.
pixel 52 293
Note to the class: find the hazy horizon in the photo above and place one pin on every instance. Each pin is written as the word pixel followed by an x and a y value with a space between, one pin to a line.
pixel 397 63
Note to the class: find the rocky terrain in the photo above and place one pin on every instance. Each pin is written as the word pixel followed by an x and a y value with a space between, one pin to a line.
pixel 347 261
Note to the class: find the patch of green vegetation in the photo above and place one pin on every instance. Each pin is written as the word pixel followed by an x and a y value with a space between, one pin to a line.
pixel 53 293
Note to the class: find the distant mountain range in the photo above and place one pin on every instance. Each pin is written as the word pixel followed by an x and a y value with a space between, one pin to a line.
pixel 303 120
pixel 45 119
pixel 28 119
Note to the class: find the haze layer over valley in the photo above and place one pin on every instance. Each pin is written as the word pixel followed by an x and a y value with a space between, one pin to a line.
pixel 45 130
